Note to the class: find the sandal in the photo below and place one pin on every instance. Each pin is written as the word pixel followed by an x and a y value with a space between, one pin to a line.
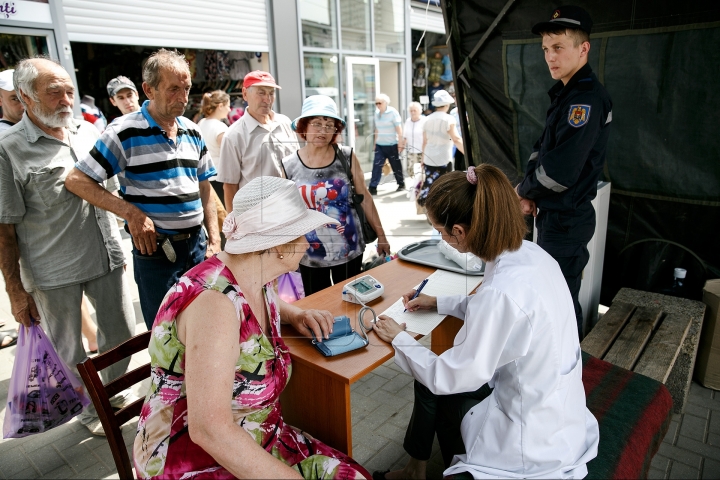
pixel 4 335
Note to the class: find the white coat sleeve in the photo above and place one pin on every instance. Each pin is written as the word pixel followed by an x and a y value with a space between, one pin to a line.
pixel 455 305
pixel 495 333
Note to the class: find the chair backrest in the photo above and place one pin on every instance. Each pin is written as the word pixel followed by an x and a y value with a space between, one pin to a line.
pixel 100 394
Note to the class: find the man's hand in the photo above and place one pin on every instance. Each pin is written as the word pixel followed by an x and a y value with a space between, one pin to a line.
pixel 319 322
pixel 528 207
pixel 387 328
pixel 143 233
pixel 212 249
pixel 23 307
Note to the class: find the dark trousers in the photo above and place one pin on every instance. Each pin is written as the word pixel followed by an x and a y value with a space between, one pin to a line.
pixel 318 278
pixel 441 414
pixel 391 153
pixel 565 235
pixel 155 274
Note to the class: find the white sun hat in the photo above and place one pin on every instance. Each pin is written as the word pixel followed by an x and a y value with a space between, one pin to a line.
pixel 267 212
pixel 442 98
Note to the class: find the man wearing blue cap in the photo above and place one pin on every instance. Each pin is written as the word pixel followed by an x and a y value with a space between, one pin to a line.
pixel 566 162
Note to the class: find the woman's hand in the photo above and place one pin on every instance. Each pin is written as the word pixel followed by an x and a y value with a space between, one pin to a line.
pixel 422 302
pixel 383 246
pixel 387 328
pixel 318 322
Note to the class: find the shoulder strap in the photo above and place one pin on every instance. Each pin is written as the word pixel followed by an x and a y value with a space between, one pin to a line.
pixel 347 163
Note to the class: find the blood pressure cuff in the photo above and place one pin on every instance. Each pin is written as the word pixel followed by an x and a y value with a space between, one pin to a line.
pixel 343 339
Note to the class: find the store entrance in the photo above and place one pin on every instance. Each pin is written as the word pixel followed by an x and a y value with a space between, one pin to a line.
pixel 19 43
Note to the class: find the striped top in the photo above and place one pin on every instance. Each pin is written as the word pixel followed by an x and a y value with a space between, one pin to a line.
pixel 159 176
pixel 385 124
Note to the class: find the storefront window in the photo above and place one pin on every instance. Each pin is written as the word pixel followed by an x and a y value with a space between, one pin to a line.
pixel 390 26
pixel 355 24
pixel 321 75
pixel 17 47
pixel 318 23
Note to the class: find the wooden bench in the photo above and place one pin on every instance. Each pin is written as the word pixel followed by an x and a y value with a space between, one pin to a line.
pixel 651 334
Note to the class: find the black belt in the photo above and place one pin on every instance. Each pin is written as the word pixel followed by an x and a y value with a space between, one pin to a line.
pixel 174 238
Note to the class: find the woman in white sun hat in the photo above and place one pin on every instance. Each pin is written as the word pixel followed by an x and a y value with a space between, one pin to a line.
pixel 324 172
pixel 439 136
pixel 218 362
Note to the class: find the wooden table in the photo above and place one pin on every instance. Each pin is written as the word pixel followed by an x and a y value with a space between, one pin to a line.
pixel 317 399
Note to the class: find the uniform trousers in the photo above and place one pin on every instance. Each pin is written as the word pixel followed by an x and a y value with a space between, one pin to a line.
pixel 60 316
pixel 319 278
pixel 441 414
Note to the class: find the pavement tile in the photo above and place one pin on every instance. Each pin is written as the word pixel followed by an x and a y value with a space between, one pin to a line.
pixel 697 391
pixel 93 441
pixel 714 425
pixel 656 474
pixel 379 416
pixel 72 439
pixel 708 451
pixel 62 472
pixel 45 459
pixel 680 455
pixel 385 372
pixel 104 453
pixel 371 384
pixel 386 457
pixel 79 457
pixel 366 403
pixel 713 439
pixel 14 461
pixel 96 471
pixel 660 463
pixel 693 427
pixel 402 418
pixel 397 383
pixel 364 435
pixel 387 400
pixel 33 442
pixel 672 432
pixel 362 453
pixel 391 432
pixel 25 474
pixel 682 471
pixel 697 410
pixel 11 443
pixel 711 469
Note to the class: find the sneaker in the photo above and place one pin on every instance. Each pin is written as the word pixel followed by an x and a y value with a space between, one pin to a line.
pixel 372 190
pixel 123 399
pixel 96 428
pixel 401 188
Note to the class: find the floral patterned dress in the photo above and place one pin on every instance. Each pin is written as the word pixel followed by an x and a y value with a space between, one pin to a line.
pixel 163 447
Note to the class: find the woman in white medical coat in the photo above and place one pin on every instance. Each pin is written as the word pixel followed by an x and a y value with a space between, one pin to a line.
pixel 519 337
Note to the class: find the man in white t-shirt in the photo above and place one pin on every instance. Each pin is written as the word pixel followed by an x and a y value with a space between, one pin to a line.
pixel 439 136
pixel 256 144
pixel 413 135
pixel 12 108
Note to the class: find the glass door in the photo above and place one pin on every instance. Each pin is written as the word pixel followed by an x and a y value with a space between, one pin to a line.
pixel 19 43
pixel 362 88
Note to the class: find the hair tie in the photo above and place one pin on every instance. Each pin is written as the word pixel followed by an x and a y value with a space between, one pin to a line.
pixel 471 176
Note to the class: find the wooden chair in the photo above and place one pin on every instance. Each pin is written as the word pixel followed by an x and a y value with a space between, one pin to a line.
pixel 100 394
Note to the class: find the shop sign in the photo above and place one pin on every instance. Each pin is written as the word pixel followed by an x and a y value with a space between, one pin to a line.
pixel 24 11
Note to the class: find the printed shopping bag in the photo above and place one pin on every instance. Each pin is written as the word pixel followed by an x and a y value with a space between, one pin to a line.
pixel 43 392
pixel 290 287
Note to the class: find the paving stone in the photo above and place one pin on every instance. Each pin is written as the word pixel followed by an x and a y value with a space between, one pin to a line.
pixel 386 457
pixel 361 453
pixel 385 372
pixel 693 427
pixel 397 383
pixel 96 471
pixel 93 441
pixel 79 457
pixel 391 432
pixel 14 461
pixel 104 453
pixel 711 468
pixel 697 410
pixel 388 400
pixel 655 474
pixel 379 416
pixel 672 433
pixel 62 472
pixel 660 463
pixel 403 417
pixel 699 392
pixel 713 439
pixel 391 364
pixel 714 425
pixel 682 471
pixel 708 451
pixel 72 439
pixel 364 435
pixel 25 474
pixel 364 402
pixel 45 459
pixel 33 442
pixel 11 443
pixel 370 385
pixel 680 455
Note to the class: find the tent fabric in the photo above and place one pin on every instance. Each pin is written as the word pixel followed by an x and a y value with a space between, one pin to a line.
pixel 657 59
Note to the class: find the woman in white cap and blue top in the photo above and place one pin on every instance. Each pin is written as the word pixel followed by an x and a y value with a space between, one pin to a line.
pixel 218 363
pixel 439 136
pixel 321 171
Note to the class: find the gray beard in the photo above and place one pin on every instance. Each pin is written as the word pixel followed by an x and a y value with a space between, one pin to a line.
pixel 53 120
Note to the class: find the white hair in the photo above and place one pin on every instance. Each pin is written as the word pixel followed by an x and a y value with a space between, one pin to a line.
pixel 383 97
pixel 24 77
pixel 415 104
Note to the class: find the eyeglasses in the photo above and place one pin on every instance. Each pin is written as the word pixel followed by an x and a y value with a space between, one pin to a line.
pixel 325 128
pixel 378 103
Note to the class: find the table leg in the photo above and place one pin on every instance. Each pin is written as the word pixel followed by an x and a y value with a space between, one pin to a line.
pixel 444 334
pixel 320 405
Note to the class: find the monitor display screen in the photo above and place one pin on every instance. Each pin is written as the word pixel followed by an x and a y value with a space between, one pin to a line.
pixel 361 287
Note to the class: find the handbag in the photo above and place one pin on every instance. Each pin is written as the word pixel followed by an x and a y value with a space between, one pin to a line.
pixel 343 339
pixel 368 232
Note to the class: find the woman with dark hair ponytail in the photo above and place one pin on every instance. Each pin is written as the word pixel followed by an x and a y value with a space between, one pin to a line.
pixel 507 400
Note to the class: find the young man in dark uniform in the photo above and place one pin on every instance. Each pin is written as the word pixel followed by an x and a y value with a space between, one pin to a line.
pixel 566 162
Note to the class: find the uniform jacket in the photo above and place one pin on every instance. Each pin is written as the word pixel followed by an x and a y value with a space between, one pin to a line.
pixel 519 336
pixel 566 163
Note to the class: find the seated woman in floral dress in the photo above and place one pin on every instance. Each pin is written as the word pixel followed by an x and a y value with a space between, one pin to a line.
pixel 218 362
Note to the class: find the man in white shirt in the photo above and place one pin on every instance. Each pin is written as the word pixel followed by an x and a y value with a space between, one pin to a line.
pixel 12 108
pixel 256 144
pixel 413 135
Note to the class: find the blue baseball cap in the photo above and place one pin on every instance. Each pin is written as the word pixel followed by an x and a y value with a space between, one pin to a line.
pixel 318 106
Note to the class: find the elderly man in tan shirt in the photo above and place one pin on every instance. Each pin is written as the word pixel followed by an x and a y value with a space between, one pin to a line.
pixel 256 144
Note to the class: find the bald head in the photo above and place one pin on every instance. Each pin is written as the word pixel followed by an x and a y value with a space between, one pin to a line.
pixel 46 90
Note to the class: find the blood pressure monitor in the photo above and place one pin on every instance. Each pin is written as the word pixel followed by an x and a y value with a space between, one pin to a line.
pixel 362 290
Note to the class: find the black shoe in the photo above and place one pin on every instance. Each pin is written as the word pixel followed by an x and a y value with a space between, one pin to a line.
pixel 372 190
pixel 400 188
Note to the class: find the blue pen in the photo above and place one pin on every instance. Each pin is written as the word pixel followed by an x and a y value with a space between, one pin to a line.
pixel 419 289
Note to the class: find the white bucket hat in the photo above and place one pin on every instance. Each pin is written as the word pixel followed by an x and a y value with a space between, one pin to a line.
pixel 268 212
pixel 442 98
pixel 318 106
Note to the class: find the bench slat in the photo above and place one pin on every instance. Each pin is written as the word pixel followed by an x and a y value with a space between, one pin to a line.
pixel 629 345
pixel 599 340
pixel 659 356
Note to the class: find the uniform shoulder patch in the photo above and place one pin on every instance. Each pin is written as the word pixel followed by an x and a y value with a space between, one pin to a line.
pixel 578 115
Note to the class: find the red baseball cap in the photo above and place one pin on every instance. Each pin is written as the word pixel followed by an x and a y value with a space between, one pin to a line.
pixel 258 78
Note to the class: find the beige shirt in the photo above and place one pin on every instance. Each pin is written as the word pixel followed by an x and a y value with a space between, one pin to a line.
pixel 250 149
